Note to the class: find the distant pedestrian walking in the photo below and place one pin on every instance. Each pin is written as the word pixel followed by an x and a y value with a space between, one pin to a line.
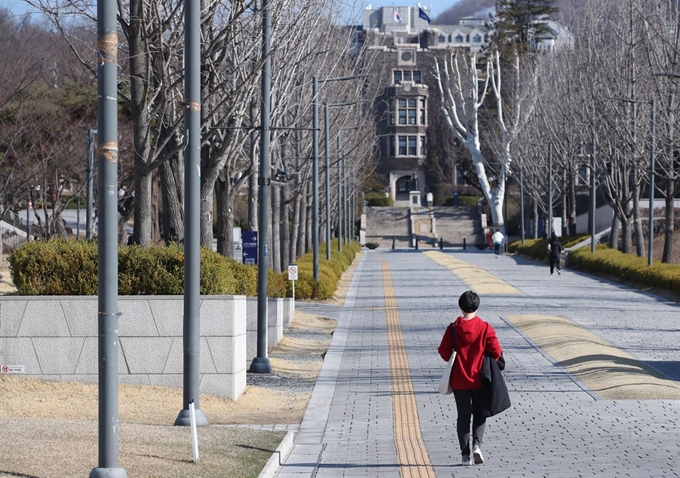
pixel 554 254
pixel 472 339
pixel 497 240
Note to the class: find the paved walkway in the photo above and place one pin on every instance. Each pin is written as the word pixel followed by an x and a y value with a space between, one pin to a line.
pixel 372 416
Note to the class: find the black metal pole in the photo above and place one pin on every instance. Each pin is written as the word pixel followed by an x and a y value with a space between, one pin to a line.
pixel 315 177
pixel 521 199
pixel 328 183
pixel 593 198
pixel 192 214
pixel 340 233
pixel 90 179
pixel 550 211
pixel 260 363
pixel 107 321
pixel 652 160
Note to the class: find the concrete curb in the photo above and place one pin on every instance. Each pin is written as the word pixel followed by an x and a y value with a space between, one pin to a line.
pixel 275 461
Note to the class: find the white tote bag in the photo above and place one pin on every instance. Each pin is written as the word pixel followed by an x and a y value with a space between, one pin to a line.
pixel 444 386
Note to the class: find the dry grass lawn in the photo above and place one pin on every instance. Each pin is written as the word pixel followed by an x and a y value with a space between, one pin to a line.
pixel 50 429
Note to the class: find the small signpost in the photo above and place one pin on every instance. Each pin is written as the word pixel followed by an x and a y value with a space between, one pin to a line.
pixel 293 275
pixel 249 253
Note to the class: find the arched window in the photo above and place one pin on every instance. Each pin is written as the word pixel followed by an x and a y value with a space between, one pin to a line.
pixel 442 38
pixel 459 39
pixel 477 39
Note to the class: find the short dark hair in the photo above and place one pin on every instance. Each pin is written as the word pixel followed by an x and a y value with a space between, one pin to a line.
pixel 468 301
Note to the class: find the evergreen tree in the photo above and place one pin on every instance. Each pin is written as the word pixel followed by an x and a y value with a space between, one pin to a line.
pixel 518 22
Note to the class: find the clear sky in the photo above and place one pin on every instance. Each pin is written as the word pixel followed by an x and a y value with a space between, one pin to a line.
pixel 18 7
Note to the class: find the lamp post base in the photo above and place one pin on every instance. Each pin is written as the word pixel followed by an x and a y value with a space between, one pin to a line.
pixel 184 418
pixel 108 473
pixel 260 365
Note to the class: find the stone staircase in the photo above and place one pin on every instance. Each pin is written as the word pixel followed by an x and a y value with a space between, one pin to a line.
pixel 455 223
pixel 400 224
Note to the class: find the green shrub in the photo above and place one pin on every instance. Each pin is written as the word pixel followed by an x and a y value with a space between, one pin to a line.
pixel 378 199
pixel 329 271
pixel 68 267
pixel 608 261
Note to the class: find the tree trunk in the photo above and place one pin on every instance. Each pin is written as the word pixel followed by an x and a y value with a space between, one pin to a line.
pixel 276 229
pixel 225 218
pixel 285 226
pixel 295 229
pixel 141 123
pixel 302 240
pixel 252 181
pixel 155 210
pixel 614 233
pixel 309 220
pixel 535 214
pixel 637 222
pixel 142 227
pixel 172 186
pixel 669 222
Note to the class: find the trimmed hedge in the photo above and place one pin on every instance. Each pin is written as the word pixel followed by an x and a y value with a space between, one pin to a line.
pixel 378 199
pixel 69 267
pixel 329 271
pixel 538 248
pixel 607 261
pixel 627 267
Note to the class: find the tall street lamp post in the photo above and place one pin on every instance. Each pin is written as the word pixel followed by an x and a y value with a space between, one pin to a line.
pixel 107 317
pixel 327 106
pixel 261 363
pixel 593 198
pixel 652 160
pixel 315 165
pixel 550 195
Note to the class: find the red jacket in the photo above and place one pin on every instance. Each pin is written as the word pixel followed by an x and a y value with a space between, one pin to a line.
pixel 474 338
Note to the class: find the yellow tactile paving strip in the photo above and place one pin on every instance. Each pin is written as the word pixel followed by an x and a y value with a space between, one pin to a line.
pixel 414 462
pixel 479 280
pixel 608 371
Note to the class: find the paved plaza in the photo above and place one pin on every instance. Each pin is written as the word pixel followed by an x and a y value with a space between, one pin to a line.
pixel 372 416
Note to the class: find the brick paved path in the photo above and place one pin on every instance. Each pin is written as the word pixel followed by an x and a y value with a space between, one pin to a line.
pixel 557 427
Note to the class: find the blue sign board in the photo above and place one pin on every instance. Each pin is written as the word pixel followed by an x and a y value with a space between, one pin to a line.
pixel 249 239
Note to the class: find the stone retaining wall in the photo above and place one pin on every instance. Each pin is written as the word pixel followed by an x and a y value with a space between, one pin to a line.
pixel 56 338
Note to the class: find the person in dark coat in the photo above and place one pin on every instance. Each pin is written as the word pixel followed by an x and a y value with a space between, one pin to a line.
pixel 554 254
pixel 471 338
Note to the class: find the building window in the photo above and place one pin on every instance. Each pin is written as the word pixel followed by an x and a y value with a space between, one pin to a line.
pixel 392 151
pixel 459 39
pixel 406 75
pixel 477 39
pixel 442 38
pixel 423 151
pixel 423 116
pixel 412 142
pixel 391 117
pixel 402 146
pixel 407 111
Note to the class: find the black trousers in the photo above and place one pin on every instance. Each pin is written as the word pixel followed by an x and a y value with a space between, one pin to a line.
pixel 465 404
pixel 554 263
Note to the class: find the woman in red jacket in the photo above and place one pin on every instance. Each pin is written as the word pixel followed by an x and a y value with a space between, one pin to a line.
pixel 471 338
